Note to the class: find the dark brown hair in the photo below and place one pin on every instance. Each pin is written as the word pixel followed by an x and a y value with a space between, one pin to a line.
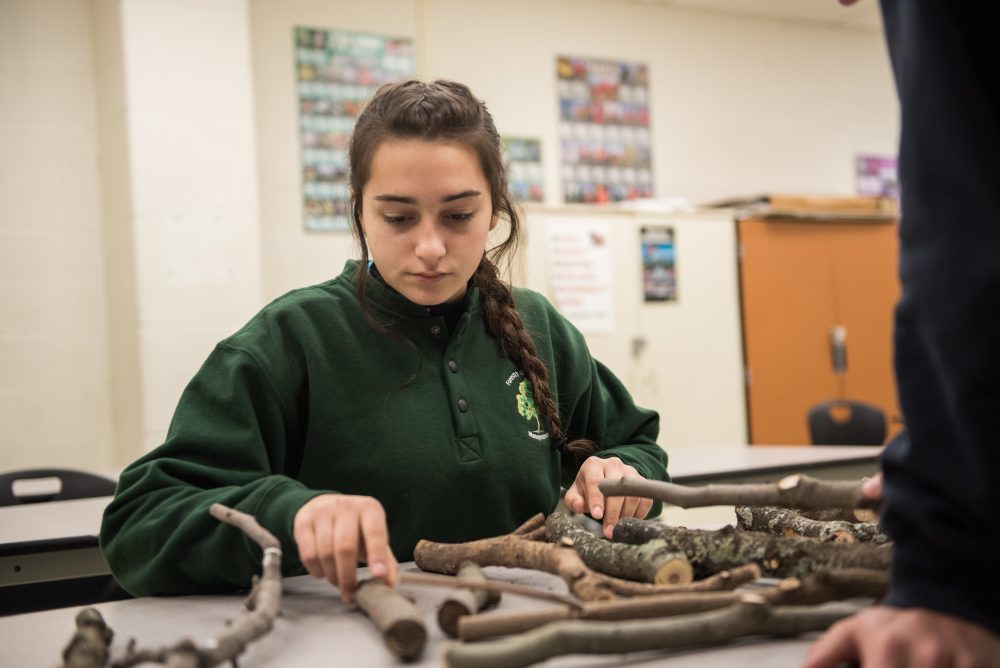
pixel 447 111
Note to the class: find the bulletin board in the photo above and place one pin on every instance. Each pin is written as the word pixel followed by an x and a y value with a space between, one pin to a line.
pixel 523 158
pixel 336 73
pixel 604 131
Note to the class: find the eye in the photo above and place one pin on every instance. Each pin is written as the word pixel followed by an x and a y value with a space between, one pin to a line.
pixel 395 220
pixel 461 217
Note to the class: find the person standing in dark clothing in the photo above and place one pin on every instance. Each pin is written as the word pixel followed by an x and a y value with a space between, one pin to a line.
pixel 941 488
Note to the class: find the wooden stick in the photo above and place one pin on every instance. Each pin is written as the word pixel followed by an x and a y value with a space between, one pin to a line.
pixel 88 648
pixel 787 522
pixel 778 556
pixel 462 602
pixel 399 620
pixel 649 562
pixel 794 491
pixel 532 523
pixel 438 580
pixel 263 605
pixel 750 616
pixel 821 587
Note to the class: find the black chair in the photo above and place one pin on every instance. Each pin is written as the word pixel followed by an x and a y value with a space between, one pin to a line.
pixel 35 596
pixel 846 422
pixel 73 485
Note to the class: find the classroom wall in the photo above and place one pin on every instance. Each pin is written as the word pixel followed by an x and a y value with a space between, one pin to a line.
pixel 150 188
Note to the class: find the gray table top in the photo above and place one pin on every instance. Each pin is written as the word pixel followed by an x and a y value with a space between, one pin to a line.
pixel 317 629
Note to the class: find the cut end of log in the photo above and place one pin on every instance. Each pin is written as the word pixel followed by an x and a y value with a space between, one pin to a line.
pixel 406 639
pixel 843 537
pixel 674 572
pixel 448 615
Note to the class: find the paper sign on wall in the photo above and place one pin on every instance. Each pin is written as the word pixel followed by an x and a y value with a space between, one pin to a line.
pixel 659 271
pixel 581 274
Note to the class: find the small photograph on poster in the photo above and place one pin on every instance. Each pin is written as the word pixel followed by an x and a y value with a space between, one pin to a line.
pixel 523 157
pixel 877 176
pixel 336 73
pixel 659 271
pixel 604 133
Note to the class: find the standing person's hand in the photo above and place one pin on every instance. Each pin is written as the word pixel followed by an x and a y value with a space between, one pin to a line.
pixel 584 495
pixel 884 637
pixel 334 532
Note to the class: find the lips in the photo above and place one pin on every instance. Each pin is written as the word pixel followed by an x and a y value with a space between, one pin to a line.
pixel 430 276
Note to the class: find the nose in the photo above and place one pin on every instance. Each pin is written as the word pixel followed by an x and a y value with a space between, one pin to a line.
pixel 430 246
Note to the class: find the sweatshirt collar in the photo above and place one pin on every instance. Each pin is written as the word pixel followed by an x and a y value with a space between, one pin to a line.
pixel 384 297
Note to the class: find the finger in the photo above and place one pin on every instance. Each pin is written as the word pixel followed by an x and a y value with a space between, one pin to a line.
pixel 375 536
pixel 346 537
pixel 391 570
pixel 612 513
pixel 839 644
pixel 645 505
pixel 574 498
pixel 630 507
pixel 305 541
pixel 325 542
pixel 595 499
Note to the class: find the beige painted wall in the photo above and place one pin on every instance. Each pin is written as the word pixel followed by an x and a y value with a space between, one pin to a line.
pixel 149 191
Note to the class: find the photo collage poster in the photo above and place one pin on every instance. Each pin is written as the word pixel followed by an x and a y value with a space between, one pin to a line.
pixel 659 273
pixel 876 175
pixel 523 157
pixel 604 131
pixel 337 72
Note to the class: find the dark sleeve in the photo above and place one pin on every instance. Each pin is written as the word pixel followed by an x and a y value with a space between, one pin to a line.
pixel 942 476
pixel 229 442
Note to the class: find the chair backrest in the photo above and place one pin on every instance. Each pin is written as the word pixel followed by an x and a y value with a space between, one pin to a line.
pixel 73 485
pixel 846 422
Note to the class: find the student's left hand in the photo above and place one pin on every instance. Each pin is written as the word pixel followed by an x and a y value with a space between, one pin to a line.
pixel 584 495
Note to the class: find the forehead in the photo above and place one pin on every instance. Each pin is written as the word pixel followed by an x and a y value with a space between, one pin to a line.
pixel 424 165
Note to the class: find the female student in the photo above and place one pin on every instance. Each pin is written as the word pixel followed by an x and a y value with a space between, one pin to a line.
pixel 414 396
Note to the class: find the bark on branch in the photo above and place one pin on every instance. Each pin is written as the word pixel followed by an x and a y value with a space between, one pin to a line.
pixel 515 552
pixel 821 587
pixel 650 562
pixel 794 491
pixel 787 522
pixel 778 556
pixel 751 616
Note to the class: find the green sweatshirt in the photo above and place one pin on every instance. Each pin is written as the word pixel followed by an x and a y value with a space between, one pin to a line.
pixel 308 399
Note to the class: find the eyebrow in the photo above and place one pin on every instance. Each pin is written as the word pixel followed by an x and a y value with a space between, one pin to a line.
pixel 400 199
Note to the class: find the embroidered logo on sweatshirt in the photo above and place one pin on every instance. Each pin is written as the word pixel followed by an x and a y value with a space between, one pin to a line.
pixel 526 407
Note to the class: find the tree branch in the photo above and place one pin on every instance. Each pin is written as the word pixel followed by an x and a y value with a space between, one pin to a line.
pixel 794 491
pixel 399 620
pixel 751 616
pixel 263 605
pixel 822 587
pixel 463 602
pixel 650 562
pixel 778 556
pixel 787 522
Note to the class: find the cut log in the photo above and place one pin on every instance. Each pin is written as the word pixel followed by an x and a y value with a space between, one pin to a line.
pixel 463 602
pixel 399 620
pixel 787 522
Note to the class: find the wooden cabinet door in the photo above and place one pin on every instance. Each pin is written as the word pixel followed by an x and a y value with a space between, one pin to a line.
pixel 798 279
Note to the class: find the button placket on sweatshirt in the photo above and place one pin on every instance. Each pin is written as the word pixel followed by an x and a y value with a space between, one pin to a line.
pixel 462 408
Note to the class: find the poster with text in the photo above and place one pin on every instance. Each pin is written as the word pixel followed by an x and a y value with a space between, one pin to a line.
pixel 659 271
pixel 336 73
pixel 523 157
pixel 604 131
pixel 581 274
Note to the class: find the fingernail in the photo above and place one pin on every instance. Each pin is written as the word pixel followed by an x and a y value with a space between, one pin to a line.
pixel 609 531
pixel 597 512
pixel 377 569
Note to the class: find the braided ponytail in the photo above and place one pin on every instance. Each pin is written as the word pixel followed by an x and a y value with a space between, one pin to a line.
pixel 505 325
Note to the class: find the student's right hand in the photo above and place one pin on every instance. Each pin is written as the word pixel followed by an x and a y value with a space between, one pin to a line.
pixel 334 532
